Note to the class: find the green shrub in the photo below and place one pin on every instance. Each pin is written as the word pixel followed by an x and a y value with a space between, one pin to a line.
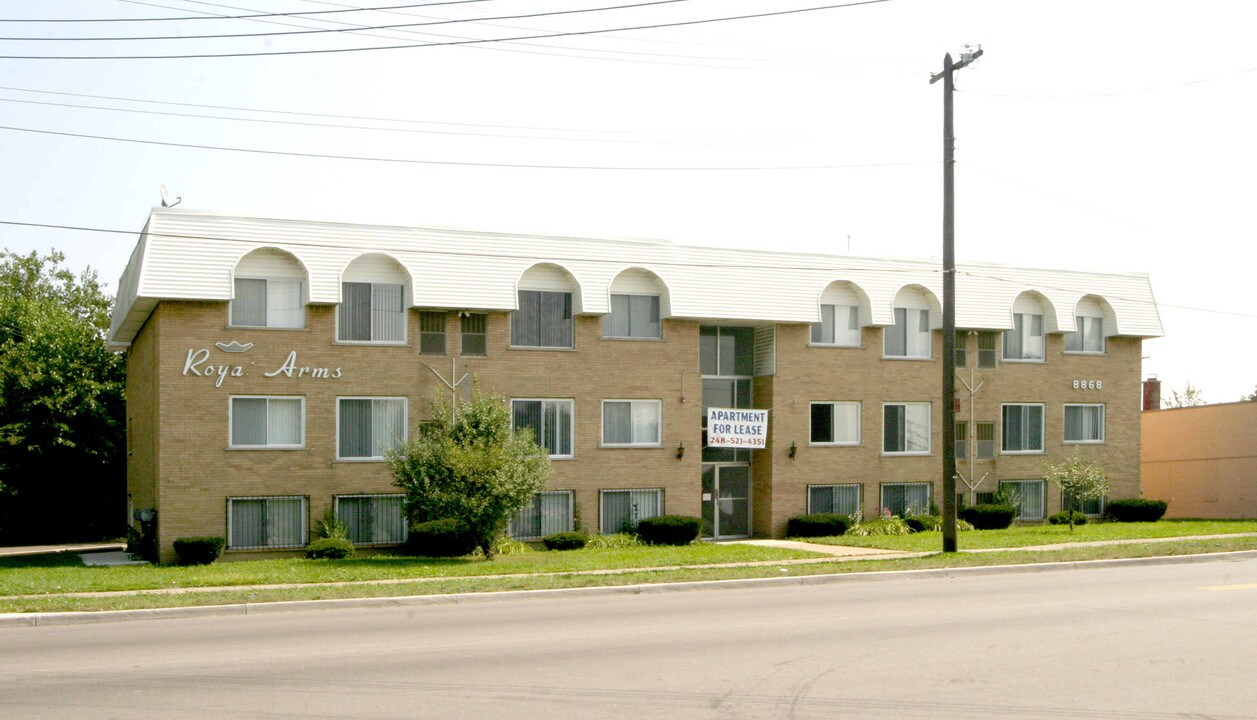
pixel 330 548
pixel 923 523
pixel 881 525
pixel 989 517
pixel 1062 518
pixel 199 550
pixel 669 530
pixel 614 541
pixel 331 526
pixel 565 541
pixel 816 525
pixel 1136 510
pixel 440 538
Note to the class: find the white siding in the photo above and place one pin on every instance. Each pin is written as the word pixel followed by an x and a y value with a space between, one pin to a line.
pixel 1032 303
pixel 269 263
pixel 765 349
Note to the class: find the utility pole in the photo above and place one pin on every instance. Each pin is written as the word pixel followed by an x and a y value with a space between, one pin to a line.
pixel 949 296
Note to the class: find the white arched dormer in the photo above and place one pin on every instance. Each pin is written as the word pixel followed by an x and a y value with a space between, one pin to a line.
pixel 1033 316
pixel 374 294
pixel 269 289
pixel 844 310
pixel 1094 321
pixel 916 312
pixel 547 298
pixel 638 299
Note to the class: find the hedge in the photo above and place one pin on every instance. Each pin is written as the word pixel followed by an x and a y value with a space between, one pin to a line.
pixel 199 550
pixel 924 523
pixel 440 538
pixel 1136 510
pixel 330 549
pixel 565 541
pixel 816 525
pixel 1062 518
pixel 989 517
pixel 669 529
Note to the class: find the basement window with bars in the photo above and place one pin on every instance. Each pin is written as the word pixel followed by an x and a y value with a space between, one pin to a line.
pixel 1028 496
pixel 272 523
pixel 547 513
pixel 906 499
pixel 372 519
pixel 623 509
pixel 840 498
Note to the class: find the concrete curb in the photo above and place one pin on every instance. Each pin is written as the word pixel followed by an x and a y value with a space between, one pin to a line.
pixel 9 620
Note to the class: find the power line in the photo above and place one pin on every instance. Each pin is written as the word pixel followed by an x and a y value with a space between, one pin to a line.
pixel 238 17
pixel 407 161
pixel 1117 93
pixel 324 31
pixel 478 41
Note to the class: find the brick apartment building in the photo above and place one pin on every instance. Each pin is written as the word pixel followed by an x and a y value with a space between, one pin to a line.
pixel 271 363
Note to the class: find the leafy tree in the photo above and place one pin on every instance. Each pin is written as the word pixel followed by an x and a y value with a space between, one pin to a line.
pixel 1190 397
pixel 1251 397
pixel 467 465
pixel 1079 480
pixel 62 436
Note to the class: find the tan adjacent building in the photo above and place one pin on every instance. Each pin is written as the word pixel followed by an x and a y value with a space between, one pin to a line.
pixel 1202 460
pixel 272 363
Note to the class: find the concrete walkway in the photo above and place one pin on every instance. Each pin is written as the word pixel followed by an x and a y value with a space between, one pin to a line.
pixel 48 549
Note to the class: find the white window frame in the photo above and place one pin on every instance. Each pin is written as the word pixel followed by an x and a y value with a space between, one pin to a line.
pixel 858 333
pixel 833 406
pixel 355 496
pixel 881 494
pixel 1042 511
pixel 571 320
pixel 535 503
pixel 1042 428
pixel 400 440
pixel 859 496
pixel 305 523
pixel 231 409
pixel 607 318
pixel 1027 333
pixel 929 429
pixel 602 505
pixel 571 404
pixel 1081 323
pixel 1065 426
pixel 405 316
pixel 909 323
pixel 633 405
pixel 301 292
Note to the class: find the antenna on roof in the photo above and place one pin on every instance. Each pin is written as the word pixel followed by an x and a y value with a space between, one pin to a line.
pixel 165 198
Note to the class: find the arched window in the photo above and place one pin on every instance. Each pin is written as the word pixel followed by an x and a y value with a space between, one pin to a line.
pixel 372 301
pixel 1025 340
pixel 544 317
pixel 1088 334
pixel 910 336
pixel 637 299
pixel 268 291
pixel 840 316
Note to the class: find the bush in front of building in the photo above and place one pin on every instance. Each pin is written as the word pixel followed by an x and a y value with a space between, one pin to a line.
pixel 1136 510
pixel 199 550
pixel 565 541
pixel 669 530
pixel 989 516
pixel 923 523
pixel 1062 518
pixel 330 548
pixel 440 538
pixel 816 525
pixel 614 541
pixel 884 524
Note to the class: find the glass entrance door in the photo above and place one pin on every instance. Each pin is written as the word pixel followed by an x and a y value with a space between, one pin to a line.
pixel 726 501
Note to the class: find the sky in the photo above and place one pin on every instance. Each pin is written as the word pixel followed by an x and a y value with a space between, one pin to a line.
pixel 1109 136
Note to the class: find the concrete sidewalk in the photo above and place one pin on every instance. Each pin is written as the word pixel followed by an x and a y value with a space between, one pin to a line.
pixel 51 549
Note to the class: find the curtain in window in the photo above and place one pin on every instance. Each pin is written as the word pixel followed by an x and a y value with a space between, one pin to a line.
pixel 847 325
pixel 842 499
pixel 284 306
pixel 646 422
pixel 644 316
pixel 355 429
pixel 388 425
pixel 1025 340
pixel 388 319
pixel 1034 338
pixel 1023 428
pixel 372 520
pixel 556 319
pixel 354 318
pixel 623 509
pixel 557 427
pixel 905 499
pixel 283 421
pixel 1093 331
pixel 248 422
pixel 527 414
pixel 617 423
pixel 285 522
pixel 248 307
pixel 547 513
pixel 896 336
pixel 823 331
pixel 1084 423
pixel 616 323
pixel 248 524
pixel 1029 497
pixel 918 340
pixel 847 422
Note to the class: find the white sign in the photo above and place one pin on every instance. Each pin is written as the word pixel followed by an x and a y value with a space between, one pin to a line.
pixel 727 427
pixel 198 364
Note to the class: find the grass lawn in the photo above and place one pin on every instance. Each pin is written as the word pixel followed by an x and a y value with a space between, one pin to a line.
pixel 1025 536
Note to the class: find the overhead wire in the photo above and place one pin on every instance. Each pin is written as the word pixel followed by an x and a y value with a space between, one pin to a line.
pixel 384 8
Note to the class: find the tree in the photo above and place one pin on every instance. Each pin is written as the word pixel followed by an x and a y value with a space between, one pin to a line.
pixel 1079 481
pixel 1190 397
pixel 62 428
pixel 468 465
pixel 1251 397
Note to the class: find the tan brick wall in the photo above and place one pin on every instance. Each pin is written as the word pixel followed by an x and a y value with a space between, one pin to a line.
pixel 1202 460
pixel 142 418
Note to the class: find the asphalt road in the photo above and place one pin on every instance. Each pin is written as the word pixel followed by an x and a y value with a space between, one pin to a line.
pixel 1132 642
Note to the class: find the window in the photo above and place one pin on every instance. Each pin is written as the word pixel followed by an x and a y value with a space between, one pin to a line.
pixel 910 336
pixel 632 316
pixel 547 513
pixel 371 312
pixel 267 422
pixel 432 333
pixel 544 319
pixel 268 302
pixel 372 519
pixel 724 393
pixel 631 422
pixel 906 428
pixel 986 349
pixel 550 422
pixel 475 333
pixel 836 423
pixel 1084 423
pixel 1025 340
pixel 1088 337
pixel 266 522
pixel 962 349
pixel 1029 497
pixel 623 509
pixel 985 432
pixel 1023 429
pixel 368 427
pixel 962 441
pixel 726 351
pixel 1094 506
pixel 839 326
pixel 843 499
pixel 906 499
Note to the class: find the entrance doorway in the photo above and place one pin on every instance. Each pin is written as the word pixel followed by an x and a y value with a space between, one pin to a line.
pixel 726 501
